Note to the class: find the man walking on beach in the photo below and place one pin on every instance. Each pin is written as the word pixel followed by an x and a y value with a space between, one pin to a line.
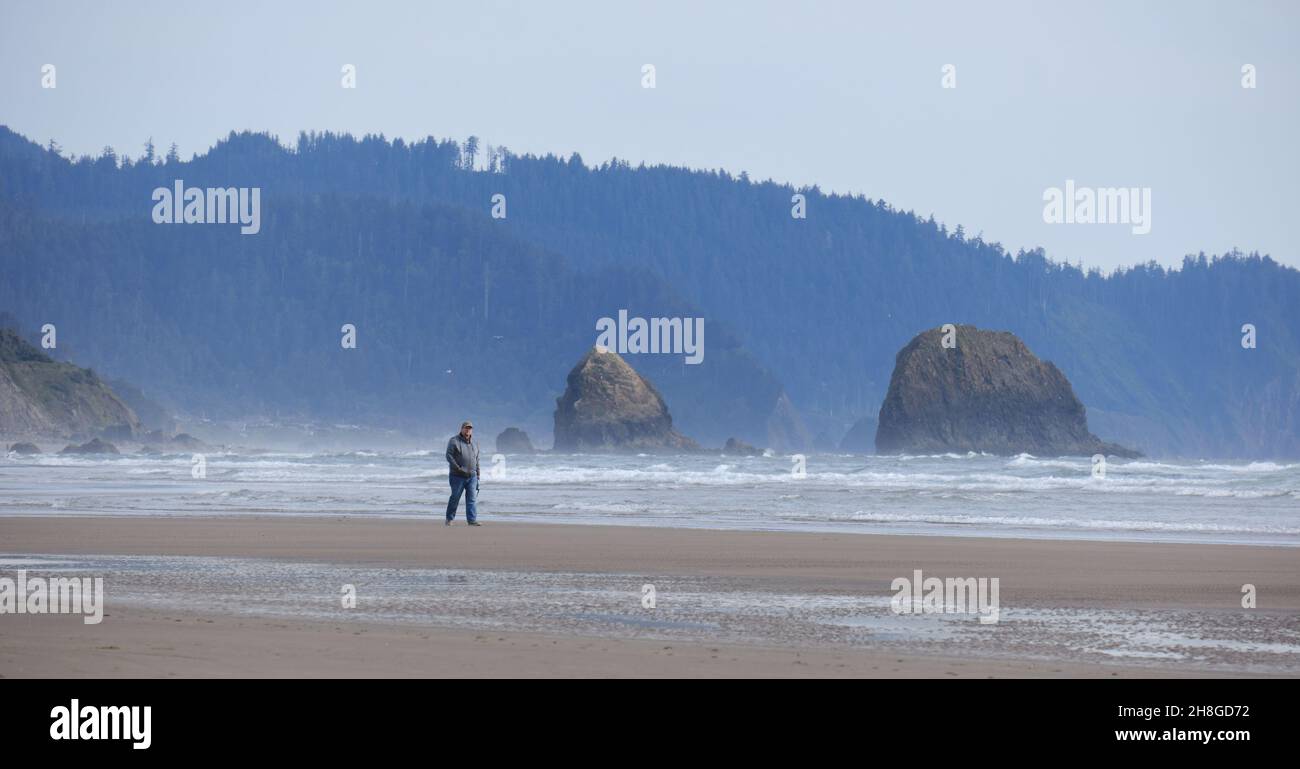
pixel 463 473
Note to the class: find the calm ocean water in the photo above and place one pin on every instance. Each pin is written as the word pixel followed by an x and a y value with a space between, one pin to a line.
pixel 977 495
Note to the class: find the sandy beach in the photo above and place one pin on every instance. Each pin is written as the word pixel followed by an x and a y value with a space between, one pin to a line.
pixel 259 596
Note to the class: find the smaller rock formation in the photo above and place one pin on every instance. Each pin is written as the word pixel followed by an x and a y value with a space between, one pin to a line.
pixel 512 440
pixel 95 446
pixel 738 448
pixel 608 406
pixel 25 448
pixel 188 442
pixel 157 439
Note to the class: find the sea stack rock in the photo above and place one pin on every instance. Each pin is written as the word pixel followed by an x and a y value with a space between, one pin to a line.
pixel 988 393
pixel 512 440
pixel 608 406
pixel 95 446
pixel 188 442
pixel 738 448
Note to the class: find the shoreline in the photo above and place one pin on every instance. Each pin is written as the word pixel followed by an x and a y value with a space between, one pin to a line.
pixel 563 600
pixel 940 531
pixel 983 497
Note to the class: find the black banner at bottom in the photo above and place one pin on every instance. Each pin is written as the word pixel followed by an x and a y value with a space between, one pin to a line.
pixel 221 718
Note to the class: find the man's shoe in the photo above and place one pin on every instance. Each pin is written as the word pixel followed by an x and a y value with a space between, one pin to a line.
pixel 475 523
pixel 446 523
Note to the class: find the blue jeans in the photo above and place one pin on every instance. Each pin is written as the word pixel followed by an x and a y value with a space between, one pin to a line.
pixel 470 487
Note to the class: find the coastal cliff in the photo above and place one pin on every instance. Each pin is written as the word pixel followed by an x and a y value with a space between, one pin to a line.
pixel 43 397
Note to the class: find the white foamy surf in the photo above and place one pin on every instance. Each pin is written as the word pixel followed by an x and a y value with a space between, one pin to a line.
pixel 964 494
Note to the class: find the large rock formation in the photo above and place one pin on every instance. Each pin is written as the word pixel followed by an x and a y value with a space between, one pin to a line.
pixel 608 406
pixel 41 396
pixel 989 394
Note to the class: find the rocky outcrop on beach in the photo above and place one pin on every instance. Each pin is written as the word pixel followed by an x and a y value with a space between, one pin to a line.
pixel 608 406
pixel 988 393
pixel 159 442
pixel 738 448
pixel 25 448
pixel 512 440
pixel 187 442
pixel 41 396
pixel 95 446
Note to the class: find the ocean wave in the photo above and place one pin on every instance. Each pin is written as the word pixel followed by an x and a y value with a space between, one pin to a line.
pixel 1253 467
pixel 950 455
pixel 1186 500
pixel 1078 523
pixel 1083 464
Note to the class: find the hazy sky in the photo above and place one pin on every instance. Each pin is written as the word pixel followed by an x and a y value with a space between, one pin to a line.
pixel 844 95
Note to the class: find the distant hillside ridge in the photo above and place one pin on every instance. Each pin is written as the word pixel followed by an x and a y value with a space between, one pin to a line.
pixel 820 304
